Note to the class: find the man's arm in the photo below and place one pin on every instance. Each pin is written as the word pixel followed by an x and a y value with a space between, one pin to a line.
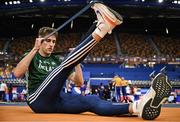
pixel 23 65
pixel 77 76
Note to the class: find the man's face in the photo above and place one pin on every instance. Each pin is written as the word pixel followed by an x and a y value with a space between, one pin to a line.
pixel 47 45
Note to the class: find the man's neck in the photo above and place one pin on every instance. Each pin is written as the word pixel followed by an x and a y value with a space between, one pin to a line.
pixel 43 54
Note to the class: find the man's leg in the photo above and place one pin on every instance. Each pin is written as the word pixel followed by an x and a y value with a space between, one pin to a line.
pixel 76 104
pixel 43 99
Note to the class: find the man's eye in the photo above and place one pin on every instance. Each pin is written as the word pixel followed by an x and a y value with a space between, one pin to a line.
pixel 54 41
pixel 48 40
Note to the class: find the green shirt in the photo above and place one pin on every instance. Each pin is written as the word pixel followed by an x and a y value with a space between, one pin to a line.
pixel 39 68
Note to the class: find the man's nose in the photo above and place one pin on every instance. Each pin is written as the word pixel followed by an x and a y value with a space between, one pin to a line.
pixel 51 43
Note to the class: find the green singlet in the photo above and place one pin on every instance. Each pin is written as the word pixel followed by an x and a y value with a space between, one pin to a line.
pixel 39 68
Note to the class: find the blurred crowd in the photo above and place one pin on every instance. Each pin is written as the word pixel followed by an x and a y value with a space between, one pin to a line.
pixel 168 46
pixel 6 71
pixel 136 45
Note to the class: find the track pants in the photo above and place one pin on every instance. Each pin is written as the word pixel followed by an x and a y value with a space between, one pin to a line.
pixel 47 98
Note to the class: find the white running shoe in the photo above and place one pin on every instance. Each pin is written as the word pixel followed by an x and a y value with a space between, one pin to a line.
pixel 149 107
pixel 107 16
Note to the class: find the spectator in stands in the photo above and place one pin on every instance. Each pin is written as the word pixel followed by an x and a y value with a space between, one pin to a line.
pixel 111 86
pixel 14 95
pixel 130 92
pixel 3 73
pixel 101 89
pixel 107 94
pixel 3 90
pixel 23 94
pixel 10 88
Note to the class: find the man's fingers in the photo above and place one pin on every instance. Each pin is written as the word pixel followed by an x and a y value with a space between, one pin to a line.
pixel 39 40
pixel 38 43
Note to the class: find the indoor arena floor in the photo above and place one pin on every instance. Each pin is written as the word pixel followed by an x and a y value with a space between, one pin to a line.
pixel 24 114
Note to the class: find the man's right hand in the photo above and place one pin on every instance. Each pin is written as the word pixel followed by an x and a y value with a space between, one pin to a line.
pixel 37 43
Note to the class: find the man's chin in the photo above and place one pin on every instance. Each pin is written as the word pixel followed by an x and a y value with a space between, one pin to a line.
pixel 48 53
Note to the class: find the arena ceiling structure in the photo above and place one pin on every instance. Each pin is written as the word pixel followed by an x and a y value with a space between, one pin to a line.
pixel 25 17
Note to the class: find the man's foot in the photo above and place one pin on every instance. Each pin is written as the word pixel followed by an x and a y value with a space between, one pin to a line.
pixel 107 16
pixel 149 107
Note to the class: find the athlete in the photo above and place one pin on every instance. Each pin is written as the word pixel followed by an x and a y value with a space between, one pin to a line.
pixel 47 76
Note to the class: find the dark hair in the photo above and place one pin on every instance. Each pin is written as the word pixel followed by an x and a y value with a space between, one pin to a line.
pixel 44 31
